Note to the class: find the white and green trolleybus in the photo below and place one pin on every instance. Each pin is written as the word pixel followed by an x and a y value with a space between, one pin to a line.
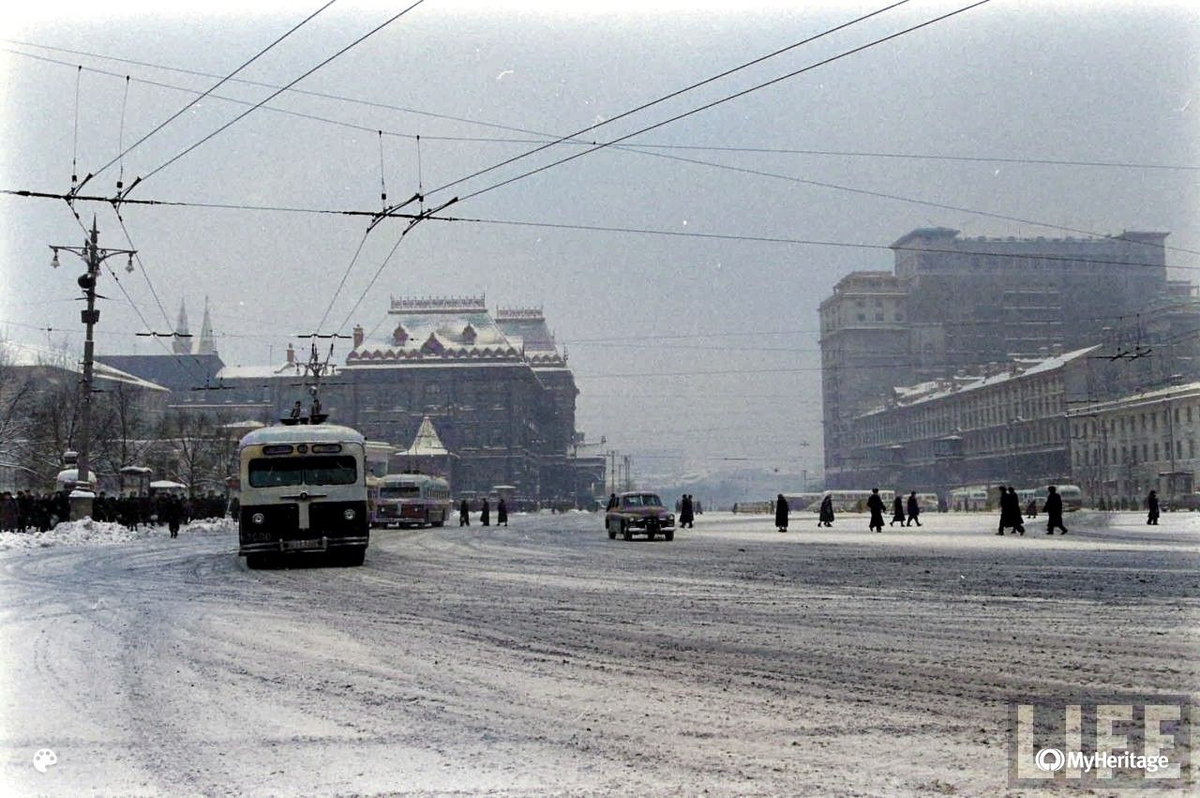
pixel 303 490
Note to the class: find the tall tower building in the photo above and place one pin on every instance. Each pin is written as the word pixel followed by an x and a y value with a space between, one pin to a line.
pixel 954 303
pixel 207 347
pixel 182 345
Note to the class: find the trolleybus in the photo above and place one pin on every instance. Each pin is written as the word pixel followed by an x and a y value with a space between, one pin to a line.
pixel 303 490
pixel 412 500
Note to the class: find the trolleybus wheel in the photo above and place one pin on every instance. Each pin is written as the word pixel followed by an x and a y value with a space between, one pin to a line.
pixel 352 557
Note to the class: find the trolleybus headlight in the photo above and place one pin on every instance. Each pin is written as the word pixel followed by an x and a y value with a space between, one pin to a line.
pixel 348 515
pixel 258 518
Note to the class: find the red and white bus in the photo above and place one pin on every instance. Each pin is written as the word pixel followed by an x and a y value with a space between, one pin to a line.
pixel 411 500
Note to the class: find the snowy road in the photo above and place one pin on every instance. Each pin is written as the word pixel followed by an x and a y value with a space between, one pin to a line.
pixel 546 658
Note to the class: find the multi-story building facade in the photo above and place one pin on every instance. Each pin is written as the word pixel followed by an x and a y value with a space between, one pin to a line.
pixel 1005 425
pixel 1124 448
pixel 953 303
pixel 495 387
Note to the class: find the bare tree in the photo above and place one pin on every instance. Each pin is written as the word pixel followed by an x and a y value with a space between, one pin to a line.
pixel 197 450
pixel 125 432
pixel 16 395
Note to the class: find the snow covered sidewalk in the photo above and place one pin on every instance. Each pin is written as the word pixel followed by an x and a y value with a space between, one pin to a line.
pixel 87 532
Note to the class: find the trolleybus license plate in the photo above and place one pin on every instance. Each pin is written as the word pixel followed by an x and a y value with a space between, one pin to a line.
pixel 303 544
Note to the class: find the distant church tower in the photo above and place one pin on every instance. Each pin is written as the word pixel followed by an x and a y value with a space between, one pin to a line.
pixel 182 345
pixel 207 347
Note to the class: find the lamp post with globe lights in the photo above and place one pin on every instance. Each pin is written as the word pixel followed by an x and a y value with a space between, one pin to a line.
pixel 92 255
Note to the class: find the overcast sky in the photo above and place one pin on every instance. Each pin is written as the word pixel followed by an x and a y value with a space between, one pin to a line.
pixel 680 343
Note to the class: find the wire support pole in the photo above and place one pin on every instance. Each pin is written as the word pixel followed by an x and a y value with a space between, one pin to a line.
pixel 93 256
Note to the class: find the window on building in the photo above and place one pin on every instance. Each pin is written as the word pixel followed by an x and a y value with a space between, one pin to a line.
pixel 1146 452
pixel 1156 450
pixel 1179 449
pixel 1191 447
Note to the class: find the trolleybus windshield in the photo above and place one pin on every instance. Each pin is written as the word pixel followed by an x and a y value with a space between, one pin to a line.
pixel 270 472
pixel 399 491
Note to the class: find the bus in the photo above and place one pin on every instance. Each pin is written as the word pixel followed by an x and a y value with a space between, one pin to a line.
pixel 1072 497
pixel 303 491
pixel 969 499
pixel 412 500
pixel 855 501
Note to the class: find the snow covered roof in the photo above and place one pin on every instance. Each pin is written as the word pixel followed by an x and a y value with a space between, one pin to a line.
pixel 526 328
pixel 303 433
pixel 907 396
pixel 28 356
pixel 426 443
pixel 258 372
pixel 437 329
pixel 1133 400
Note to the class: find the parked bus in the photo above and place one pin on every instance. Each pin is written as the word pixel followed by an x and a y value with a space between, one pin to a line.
pixel 303 490
pixel 969 499
pixel 412 500
pixel 855 501
pixel 1072 497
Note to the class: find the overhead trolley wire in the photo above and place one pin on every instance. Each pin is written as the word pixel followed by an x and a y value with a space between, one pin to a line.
pixel 208 91
pixel 717 102
pixel 619 229
pixel 902 198
pixel 543 135
pixel 672 95
pixel 276 93
pixel 641 149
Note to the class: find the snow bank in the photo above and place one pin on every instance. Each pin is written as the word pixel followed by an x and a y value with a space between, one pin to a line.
pixel 100 533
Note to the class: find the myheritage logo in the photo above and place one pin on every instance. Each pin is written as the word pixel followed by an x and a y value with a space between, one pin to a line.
pixel 1114 741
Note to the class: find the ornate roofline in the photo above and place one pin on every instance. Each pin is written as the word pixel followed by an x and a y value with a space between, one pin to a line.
pixel 441 304
pixel 520 314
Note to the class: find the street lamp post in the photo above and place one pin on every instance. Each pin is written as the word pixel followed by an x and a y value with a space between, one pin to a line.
pixel 93 256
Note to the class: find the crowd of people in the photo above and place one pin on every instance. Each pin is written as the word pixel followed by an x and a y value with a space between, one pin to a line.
pixel 31 512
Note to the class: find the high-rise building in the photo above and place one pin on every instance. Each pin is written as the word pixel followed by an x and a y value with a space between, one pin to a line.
pixel 953 303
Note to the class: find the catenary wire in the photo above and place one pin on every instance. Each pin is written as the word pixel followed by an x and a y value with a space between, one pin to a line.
pixel 208 91
pixel 275 94
pixel 642 149
pixel 543 136
pixel 672 95
pixel 722 100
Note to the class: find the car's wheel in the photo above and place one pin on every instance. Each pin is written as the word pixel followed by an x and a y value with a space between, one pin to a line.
pixel 612 531
pixel 257 562
pixel 669 534
pixel 626 531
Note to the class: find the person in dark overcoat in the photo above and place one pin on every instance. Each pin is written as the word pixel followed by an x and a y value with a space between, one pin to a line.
pixel 825 517
pixel 875 505
pixel 781 513
pixel 1152 507
pixel 1054 512
pixel 174 510
pixel 914 509
pixel 897 510
pixel 464 513
pixel 687 517
pixel 485 513
pixel 502 513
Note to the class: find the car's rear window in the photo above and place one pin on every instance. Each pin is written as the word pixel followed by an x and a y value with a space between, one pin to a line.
pixel 641 500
